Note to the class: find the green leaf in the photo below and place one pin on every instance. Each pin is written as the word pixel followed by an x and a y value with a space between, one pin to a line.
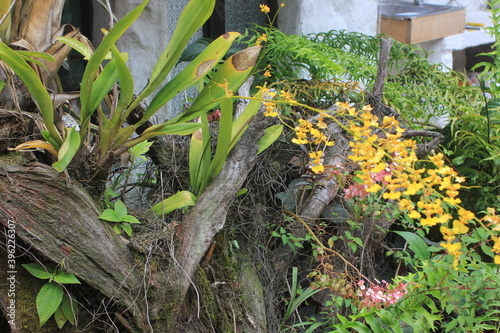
pixel 110 215
pixel 241 124
pixel 94 64
pixel 120 208
pixel 194 49
pixel 352 246
pixel 39 271
pixel 60 318
pixel 68 149
pixel 194 72
pixel 139 150
pixel 200 154
pixel 117 228
pixel 126 88
pixel 103 84
pixel 194 15
pixel 127 228
pixel 271 134
pixel 241 192
pixel 35 87
pixel 69 308
pixel 223 144
pixel 28 55
pixel 233 72
pixel 179 200
pixel 130 219
pixel 78 46
pixel 48 300
pixel 416 244
pixel 66 278
pixel 163 129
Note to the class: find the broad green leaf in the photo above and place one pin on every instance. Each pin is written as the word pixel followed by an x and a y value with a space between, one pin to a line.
pixel 416 244
pixel 66 278
pixel 194 72
pixel 69 308
pixel 130 219
pixel 68 149
pixel 374 323
pixel 137 151
pixel 127 228
pixel 35 87
pixel 39 271
pixel 270 136
pixel 120 208
pixel 241 192
pixel 48 300
pixel 117 228
pixel 233 72
pixel 60 318
pixel 179 200
pixel 110 215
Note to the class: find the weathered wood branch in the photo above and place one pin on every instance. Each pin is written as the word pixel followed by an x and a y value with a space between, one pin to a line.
pixel 209 214
pixel 378 87
pixel 335 156
pixel 61 222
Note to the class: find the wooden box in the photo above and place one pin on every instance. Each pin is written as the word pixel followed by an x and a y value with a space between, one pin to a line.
pixel 419 29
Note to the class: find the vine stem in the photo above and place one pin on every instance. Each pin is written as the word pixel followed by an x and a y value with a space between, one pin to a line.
pixel 323 247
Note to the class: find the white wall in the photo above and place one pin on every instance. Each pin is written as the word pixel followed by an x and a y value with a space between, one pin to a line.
pixel 302 17
pixel 314 16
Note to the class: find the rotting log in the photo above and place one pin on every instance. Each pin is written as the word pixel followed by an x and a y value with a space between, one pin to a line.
pixel 61 222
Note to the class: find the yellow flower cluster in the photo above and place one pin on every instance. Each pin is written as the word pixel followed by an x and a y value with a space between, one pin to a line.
pixel 269 107
pixel 433 188
pixel 261 39
pixel 308 134
pixel 316 162
pixel 265 8
pixel 493 222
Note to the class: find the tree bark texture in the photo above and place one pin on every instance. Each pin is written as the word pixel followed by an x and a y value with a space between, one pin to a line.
pixel 208 216
pixel 60 221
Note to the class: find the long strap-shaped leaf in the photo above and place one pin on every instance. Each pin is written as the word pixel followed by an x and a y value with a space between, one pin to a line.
pixel 36 88
pixel 194 72
pixel 162 129
pixel 229 77
pixel 223 142
pixel 194 15
pixel 95 62
pixel 200 155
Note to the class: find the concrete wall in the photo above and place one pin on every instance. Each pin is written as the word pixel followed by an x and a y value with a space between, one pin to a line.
pixel 313 16
pixel 145 40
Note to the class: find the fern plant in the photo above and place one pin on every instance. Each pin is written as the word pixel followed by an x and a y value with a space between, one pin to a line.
pixel 340 65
